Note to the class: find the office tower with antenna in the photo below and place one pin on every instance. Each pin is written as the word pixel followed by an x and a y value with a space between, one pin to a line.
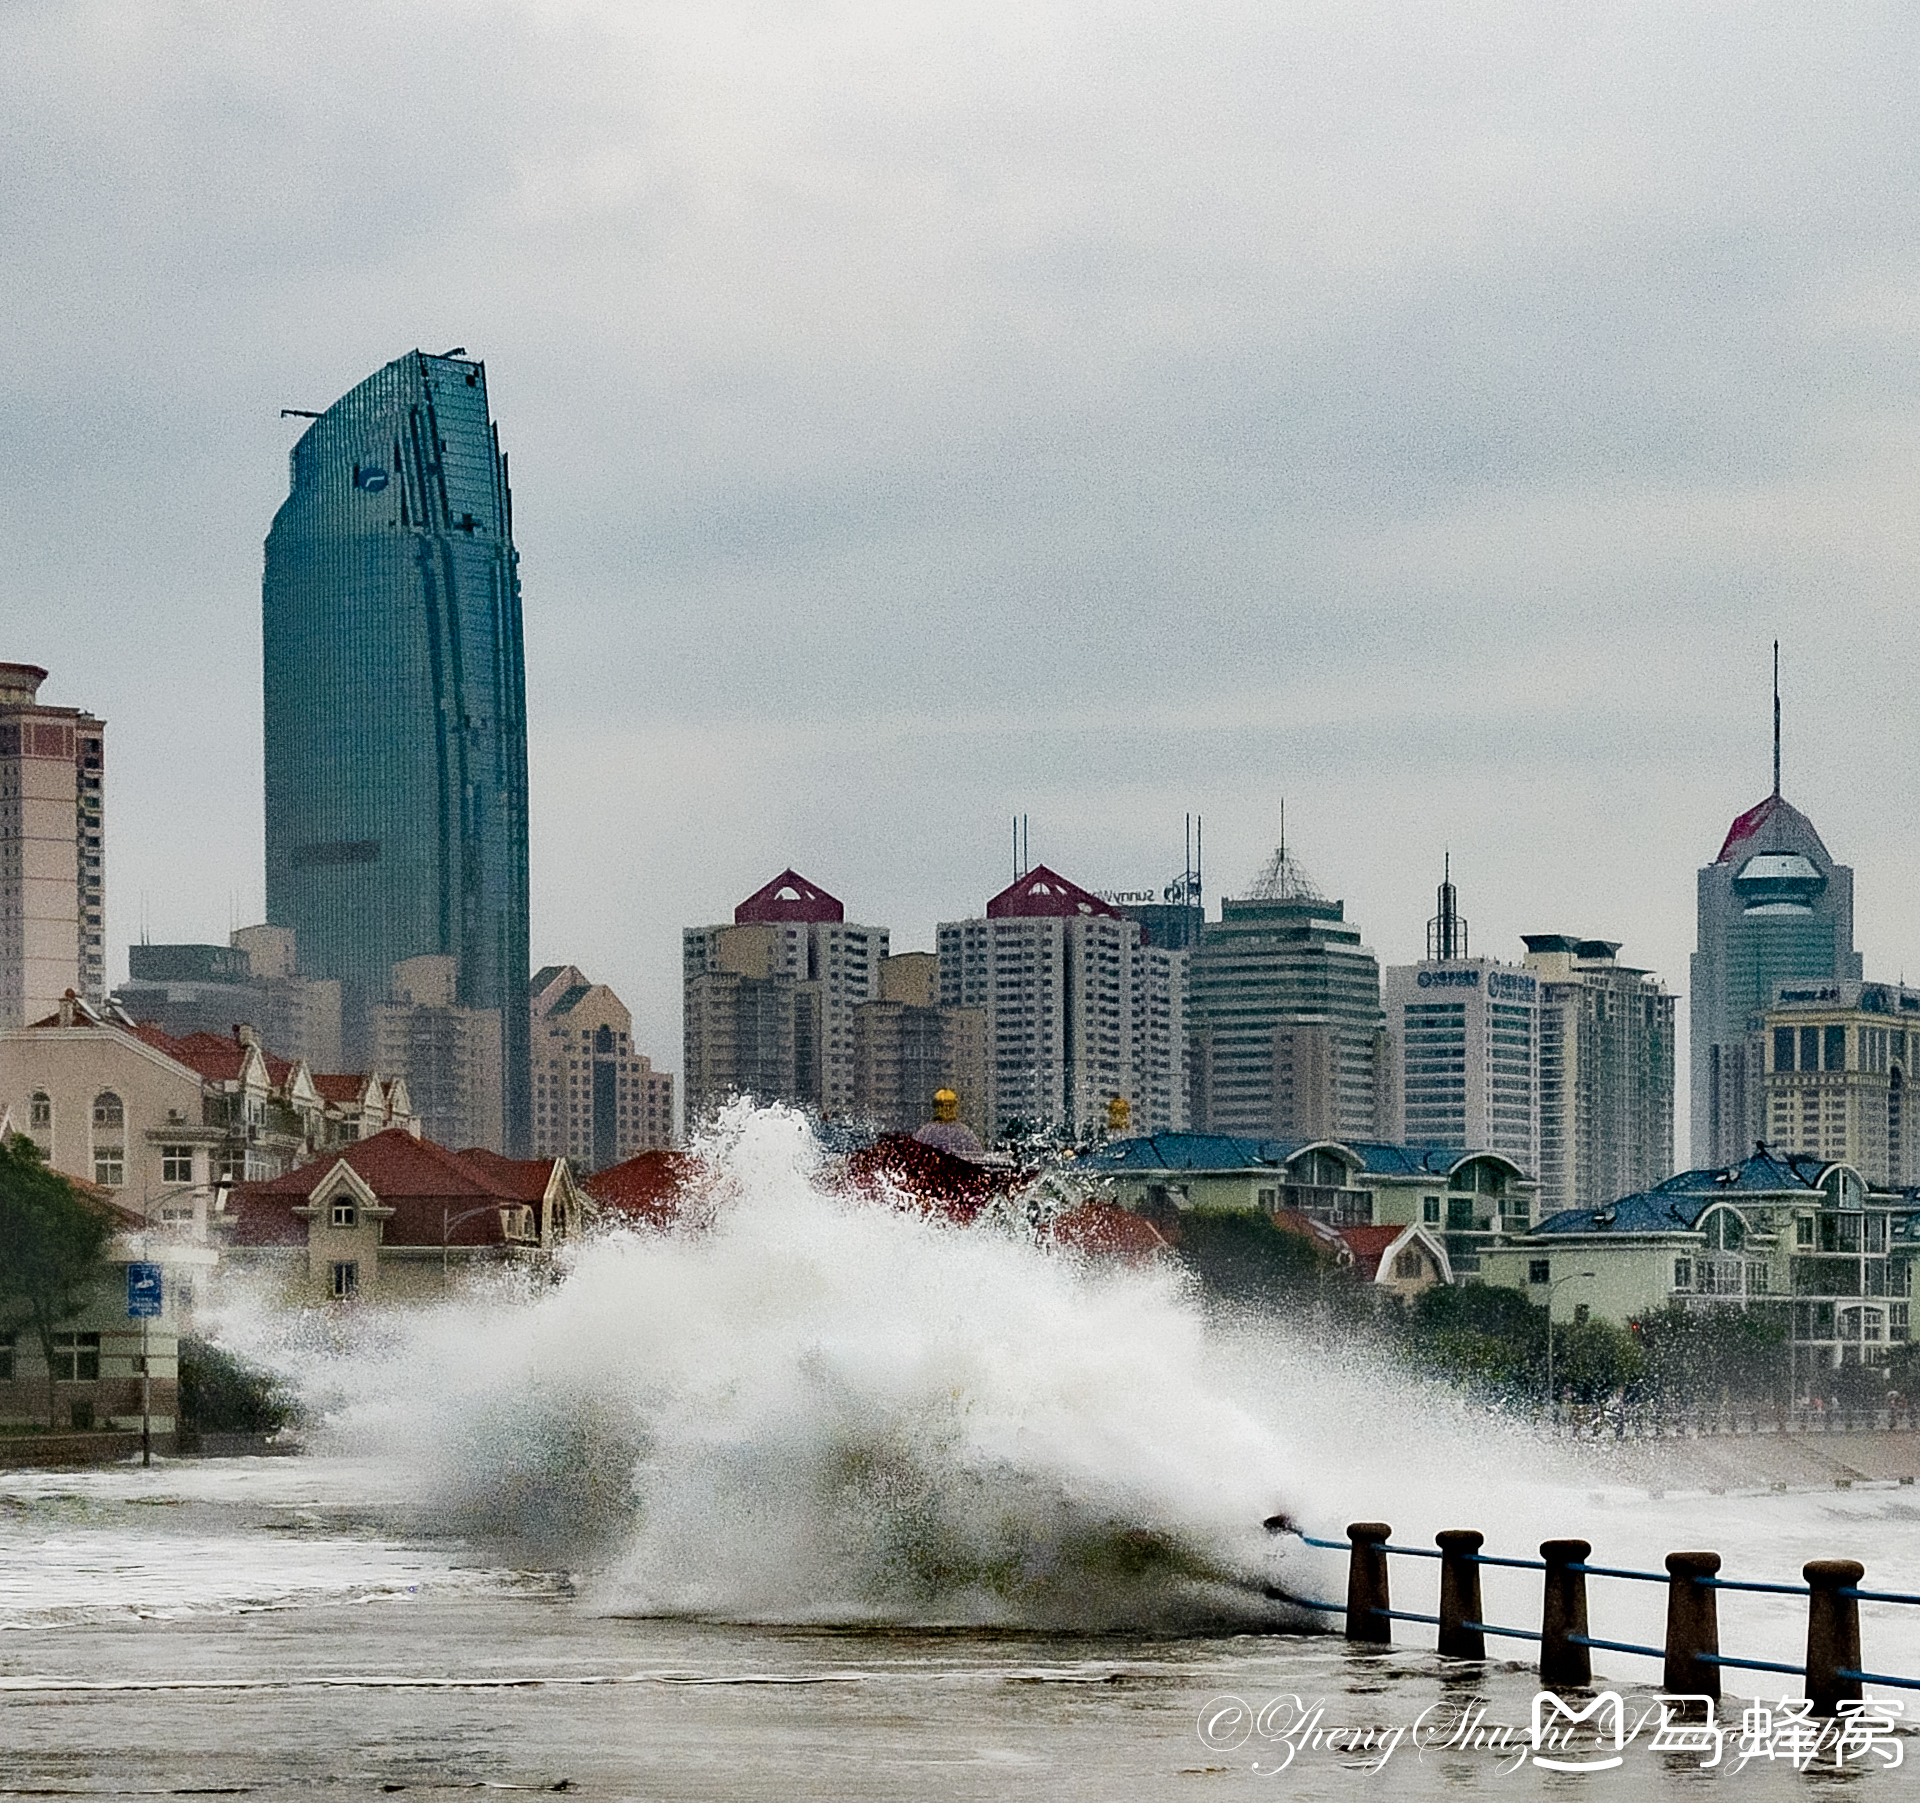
pixel 1773 907
pixel 1466 1035
pixel 1286 1034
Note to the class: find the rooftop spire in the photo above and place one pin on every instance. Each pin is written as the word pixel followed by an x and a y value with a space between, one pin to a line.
pixel 1776 717
pixel 1447 930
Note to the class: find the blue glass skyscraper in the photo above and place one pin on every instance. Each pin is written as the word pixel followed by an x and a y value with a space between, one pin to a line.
pixel 396 730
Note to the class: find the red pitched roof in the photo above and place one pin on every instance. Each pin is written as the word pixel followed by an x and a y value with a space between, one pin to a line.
pixel 898 1166
pixel 216 1059
pixel 527 1178
pixel 1103 1230
pixel 1369 1246
pixel 339 1086
pixel 426 1185
pixel 647 1190
pixel 1045 894
pixel 788 897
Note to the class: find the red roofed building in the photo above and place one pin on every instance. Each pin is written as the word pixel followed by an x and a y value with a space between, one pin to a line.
pixel 788 897
pixel 1399 1261
pixel 162 1123
pixel 1042 894
pixel 395 1217
pixel 769 1000
pixel 648 1190
pixel 1104 1230
pixel 1080 1010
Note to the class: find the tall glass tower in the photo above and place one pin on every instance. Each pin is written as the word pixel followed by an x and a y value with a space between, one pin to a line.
pixel 396 727
pixel 1773 907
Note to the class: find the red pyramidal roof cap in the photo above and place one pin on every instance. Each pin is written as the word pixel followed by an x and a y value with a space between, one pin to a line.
pixel 788 897
pixel 1749 824
pixel 1045 894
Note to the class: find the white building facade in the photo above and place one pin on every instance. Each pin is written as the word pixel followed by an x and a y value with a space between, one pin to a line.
pixel 1080 1009
pixel 1468 1034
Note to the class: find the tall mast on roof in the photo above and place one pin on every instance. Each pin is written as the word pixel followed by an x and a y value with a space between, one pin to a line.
pixel 1776 718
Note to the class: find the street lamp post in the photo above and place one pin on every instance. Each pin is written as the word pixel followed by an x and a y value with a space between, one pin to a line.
pixel 1571 1277
pixel 448 1222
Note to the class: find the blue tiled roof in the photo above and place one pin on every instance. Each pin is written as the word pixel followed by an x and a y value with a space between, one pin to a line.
pixel 1677 1204
pixel 1763 1171
pixel 1229 1152
pixel 1651 1213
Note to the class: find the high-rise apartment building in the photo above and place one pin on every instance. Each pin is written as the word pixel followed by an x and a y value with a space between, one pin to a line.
pixel 1606 1073
pixel 596 1101
pixel 1838 1060
pixel 1289 1040
pixel 1466 1032
pixel 52 855
pixel 450 1056
pixel 1773 908
pixel 302 1018
pixel 907 1048
pixel 1079 1008
pixel 396 739
pixel 769 1000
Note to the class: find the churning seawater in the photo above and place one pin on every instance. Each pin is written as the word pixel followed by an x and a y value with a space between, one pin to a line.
pixel 815 1497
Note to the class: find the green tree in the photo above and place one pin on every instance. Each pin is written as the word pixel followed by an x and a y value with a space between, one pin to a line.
pixel 1488 1337
pixel 222 1393
pixel 1594 1359
pixel 1240 1256
pixel 1710 1356
pixel 53 1248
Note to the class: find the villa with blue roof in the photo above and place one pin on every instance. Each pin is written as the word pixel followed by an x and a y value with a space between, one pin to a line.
pixel 1804 1239
pixel 1472 1199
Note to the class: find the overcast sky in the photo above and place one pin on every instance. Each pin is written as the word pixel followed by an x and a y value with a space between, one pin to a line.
pixel 919 413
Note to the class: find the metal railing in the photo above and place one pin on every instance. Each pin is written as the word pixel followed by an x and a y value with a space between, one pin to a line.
pixel 1647 1421
pixel 1834 1669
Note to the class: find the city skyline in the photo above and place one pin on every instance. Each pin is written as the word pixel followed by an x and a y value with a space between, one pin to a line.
pixel 920 420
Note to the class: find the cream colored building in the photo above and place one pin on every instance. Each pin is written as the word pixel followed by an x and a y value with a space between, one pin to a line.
pixel 596 1101
pixel 302 1018
pixel 1836 1060
pixel 396 1218
pixel 779 1025
pixel 52 855
pixel 162 1124
pixel 1606 1068
pixel 906 1047
pixel 449 1056
pixel 97 1353
pixel 1080 1009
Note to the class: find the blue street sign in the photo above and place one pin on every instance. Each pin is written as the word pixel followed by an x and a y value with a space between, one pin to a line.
pixel 143 1292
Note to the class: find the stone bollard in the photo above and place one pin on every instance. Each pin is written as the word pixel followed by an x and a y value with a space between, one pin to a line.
pixel 1460 1594
pixel 1693 1625
pixel 1563 1614
pixel 1833 1632
pixel 1367 1582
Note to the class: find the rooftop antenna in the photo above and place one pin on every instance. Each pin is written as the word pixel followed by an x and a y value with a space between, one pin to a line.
pixel 1447 930
pixel 1776 719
